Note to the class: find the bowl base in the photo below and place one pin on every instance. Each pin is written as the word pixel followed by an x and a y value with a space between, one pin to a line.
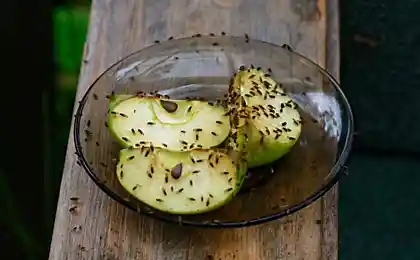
pixel 257 177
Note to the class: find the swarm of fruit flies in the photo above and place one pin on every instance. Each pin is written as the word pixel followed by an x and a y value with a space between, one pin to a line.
pixel 190 156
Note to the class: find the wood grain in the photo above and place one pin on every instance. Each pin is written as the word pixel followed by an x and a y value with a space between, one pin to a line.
pixel 101 228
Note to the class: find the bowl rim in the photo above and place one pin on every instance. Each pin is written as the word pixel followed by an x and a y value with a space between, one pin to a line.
pixel 337 171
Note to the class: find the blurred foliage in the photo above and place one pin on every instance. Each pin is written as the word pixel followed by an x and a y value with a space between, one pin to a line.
pixel 70 22
pixel 30 247
pixel 70 27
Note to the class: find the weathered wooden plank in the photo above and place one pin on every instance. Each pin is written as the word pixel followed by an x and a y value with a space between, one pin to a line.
pixel 103 229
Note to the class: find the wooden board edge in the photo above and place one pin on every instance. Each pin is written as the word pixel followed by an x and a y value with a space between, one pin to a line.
pixel 329 203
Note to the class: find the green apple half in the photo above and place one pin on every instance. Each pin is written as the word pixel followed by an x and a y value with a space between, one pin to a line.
pixel 274 120
pixel 176 125
pixel 186 182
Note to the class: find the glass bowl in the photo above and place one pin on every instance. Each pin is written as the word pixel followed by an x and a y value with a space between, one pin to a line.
pixel 202 66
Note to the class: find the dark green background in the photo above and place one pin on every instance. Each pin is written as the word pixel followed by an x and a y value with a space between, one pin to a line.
pixel 378 211
pixel 379 200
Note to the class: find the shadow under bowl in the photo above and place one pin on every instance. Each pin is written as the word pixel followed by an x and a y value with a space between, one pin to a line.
pixel 203 67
